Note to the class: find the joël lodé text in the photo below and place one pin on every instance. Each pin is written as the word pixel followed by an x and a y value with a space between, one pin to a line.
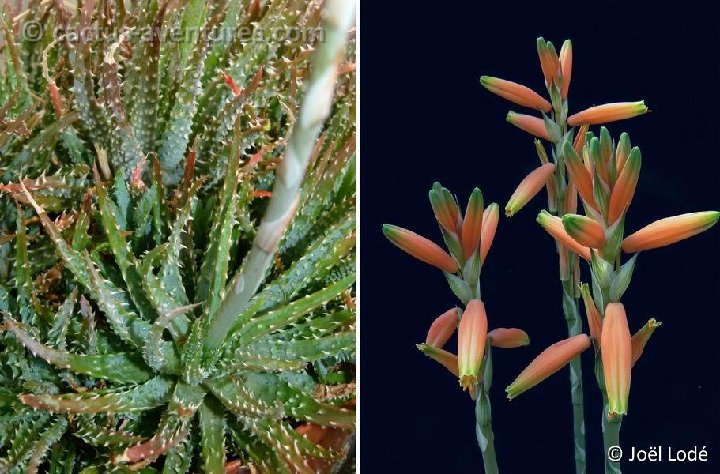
pixel 668 453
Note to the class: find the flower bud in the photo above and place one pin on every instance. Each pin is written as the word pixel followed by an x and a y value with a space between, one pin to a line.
pixel 554 226
pixel 532 125
pixel 447 359
pixel 508 338
pixel 616 352
pixel 607 113
pixel 670 230
pixel 442 328
pixel 516 93
pixel 473 224
pixel 565 67
pixel 594 318
pixel 528 188
pixel 547 363
pixel 445 208
pixel 549 62
pixel 420 248
pixel 624 188
pixel 579 175
pixel 489 227
pixel 472 335
pixel 584 230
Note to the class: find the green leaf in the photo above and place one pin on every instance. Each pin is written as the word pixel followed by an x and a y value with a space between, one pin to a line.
pixel 151 394
pixel 22 442
pixel 89 430
pixel 308 350
pixel 119 367
pixel 277 318
pixel 212 430
pixel 42 447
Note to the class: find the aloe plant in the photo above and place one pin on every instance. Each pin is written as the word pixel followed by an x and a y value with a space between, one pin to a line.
pixel 177 250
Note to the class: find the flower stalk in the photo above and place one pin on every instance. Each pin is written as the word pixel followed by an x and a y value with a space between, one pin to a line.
pixel 483 416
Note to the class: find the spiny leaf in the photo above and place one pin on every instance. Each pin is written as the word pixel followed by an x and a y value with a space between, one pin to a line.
pixel 212 430
pixel 90 431
pixel 119 367
pixel 306 350
pixel 151 394
pixel 277 318
pixel 41 448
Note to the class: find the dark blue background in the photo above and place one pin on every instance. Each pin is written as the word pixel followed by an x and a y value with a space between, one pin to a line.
pixel 425 117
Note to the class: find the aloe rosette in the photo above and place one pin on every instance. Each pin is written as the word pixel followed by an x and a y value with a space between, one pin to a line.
pixel 177 256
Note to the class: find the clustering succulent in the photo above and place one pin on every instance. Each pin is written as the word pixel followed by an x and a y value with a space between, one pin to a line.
pixel 177 236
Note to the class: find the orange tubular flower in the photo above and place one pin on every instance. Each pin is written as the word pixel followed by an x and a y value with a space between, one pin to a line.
pixel 445 208
pixel 420 248
pixel 641 338
pixel 547 363
pixel 442 328
pixel 579 175
pixel 616 352
pixel 554 226
pixel 447 359
pixel 594 318
pixel 489 226
pixel 607 113
pixel 528 188
pixel 579 142
pixel 624 188
pixel 565 67
pixel 527 123
pixel 508 338
pixel 473 224
pixel 571 199
pixel 549 62
pixel 669 230
pixel 472 335
pixel 622 152
pixel 584 230
pixel 516 93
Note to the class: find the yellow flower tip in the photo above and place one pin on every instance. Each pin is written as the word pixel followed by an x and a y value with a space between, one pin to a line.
pixel 529 187
pixel 491 216
pixel 584 230
pixel 516 93
pixel 445 208
pixel 527 123
pixel 508 338
pixel 421 248
pixel 553 225
pixel 624 188
pixel 640 338
pixel 467 382
pixel 670 230
pixel 547 363
pixel 608 113
pixel 616 353
pixel 442 328
pixel 472 336
pixel 441 356
pixel 472 224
